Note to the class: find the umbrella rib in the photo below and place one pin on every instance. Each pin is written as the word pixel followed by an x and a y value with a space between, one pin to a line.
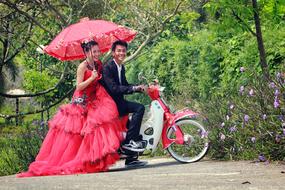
pixel 65 48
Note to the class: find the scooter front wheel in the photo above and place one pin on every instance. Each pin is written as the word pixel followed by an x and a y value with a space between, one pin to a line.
pixel 195 145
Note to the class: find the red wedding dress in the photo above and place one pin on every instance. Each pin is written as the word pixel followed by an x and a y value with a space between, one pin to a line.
pixel 83 136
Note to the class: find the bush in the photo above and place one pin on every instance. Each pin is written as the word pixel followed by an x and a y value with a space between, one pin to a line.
pixel 253 122
pixel 19 146
pixel 204 73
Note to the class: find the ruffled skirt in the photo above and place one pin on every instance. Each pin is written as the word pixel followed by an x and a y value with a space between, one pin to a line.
pixel 81 139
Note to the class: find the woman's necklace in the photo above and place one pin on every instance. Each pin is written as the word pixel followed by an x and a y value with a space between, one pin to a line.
pixel 91 66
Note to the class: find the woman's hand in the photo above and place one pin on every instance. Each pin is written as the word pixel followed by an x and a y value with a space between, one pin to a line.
pixel 94 75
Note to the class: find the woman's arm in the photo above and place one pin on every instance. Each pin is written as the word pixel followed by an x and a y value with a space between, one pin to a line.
pixel 80 84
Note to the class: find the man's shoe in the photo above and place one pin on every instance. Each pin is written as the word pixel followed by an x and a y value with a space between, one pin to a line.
pixel 126 153
pixel 142 143
pixel 135 164
pixel 134 146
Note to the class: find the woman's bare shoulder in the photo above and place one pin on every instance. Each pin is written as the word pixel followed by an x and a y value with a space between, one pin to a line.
pixel 82 66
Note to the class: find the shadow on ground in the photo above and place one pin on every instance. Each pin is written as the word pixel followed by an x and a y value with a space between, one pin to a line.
pixel 152 165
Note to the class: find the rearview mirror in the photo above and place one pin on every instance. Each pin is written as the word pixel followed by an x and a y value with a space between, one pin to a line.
pixel 141 77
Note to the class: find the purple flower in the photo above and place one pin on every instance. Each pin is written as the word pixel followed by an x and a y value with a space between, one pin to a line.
pixel 278 75
pixel 276 93
pixel 222 136
pixel 227 117
pixel 277 138
pixel 276 102
pixel 36 122
pixel 264 116
pixel 205 119
pixel 204 134
pixel 241 69
pixel 272 85
pixel 233 129
pixel 223 124
pixel 42 123
pixel 241 89
pixel 284 131
pixel 251 92
pixel 246 118
pixel 232 106
pixel 253 139
pixel 261 158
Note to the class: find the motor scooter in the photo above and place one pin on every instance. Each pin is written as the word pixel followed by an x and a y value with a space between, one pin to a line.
pixel 182 135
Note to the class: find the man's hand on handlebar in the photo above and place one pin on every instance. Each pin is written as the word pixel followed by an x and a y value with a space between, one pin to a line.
pixel 140 88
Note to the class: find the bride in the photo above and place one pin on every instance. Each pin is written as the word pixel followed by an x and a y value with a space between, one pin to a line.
pixel 83 136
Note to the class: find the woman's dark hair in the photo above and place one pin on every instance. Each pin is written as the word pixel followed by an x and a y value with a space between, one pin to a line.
pixel 119 42
pixel 86 46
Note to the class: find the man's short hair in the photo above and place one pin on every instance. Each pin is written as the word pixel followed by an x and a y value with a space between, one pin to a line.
pixel 119 42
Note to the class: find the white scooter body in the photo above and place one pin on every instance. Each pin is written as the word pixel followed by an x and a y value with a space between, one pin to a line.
pixel 151 129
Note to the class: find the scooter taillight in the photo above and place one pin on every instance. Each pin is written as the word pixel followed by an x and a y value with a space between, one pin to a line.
pixel 153 92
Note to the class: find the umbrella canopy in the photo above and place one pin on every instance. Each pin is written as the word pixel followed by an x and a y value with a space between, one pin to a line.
pixel 67 44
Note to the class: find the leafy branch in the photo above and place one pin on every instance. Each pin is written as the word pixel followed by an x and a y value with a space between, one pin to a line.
pixel 41 110
pixel 38 93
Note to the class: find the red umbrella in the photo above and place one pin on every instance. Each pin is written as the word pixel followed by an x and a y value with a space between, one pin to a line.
pixel 67 44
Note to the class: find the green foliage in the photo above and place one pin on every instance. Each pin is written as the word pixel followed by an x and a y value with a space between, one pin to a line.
pixel 197 59
pixel 19 146
pixel 202 70
pixel 181 25
pixel 36 81
pixel 187 68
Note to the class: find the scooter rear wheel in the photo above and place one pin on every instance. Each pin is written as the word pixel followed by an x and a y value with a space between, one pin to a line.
pixel 196 142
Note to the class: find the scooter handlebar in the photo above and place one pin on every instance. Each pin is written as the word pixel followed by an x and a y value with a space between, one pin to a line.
pixel 153 91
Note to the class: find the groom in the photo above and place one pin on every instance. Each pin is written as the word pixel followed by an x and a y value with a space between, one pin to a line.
pixel 117 86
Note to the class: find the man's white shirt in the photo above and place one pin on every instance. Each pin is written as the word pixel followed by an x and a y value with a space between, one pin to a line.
pixel 119 68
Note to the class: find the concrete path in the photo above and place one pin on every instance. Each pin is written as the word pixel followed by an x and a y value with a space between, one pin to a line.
pixel 163 174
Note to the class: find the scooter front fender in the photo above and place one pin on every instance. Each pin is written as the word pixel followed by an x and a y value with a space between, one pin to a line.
pixel 185 113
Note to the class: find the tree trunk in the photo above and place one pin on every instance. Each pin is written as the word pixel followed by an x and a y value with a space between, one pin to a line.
pixel 262 54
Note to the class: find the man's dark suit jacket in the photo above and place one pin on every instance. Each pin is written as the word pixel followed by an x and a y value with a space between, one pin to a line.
pixel 110 81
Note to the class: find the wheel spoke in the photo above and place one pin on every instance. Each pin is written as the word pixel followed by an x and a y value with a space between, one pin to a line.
pixel 195 145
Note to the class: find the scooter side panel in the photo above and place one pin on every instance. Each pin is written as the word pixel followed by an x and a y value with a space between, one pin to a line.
pixel 154 124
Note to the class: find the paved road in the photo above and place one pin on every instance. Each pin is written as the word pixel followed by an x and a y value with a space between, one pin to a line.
pixel 163 174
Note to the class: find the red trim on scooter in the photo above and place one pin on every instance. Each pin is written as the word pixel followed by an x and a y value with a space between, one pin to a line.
pixel 171 120
pixel 163 105
pixel 185 113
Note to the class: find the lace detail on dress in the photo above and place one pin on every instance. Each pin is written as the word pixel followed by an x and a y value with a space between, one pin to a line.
pixel 82 100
